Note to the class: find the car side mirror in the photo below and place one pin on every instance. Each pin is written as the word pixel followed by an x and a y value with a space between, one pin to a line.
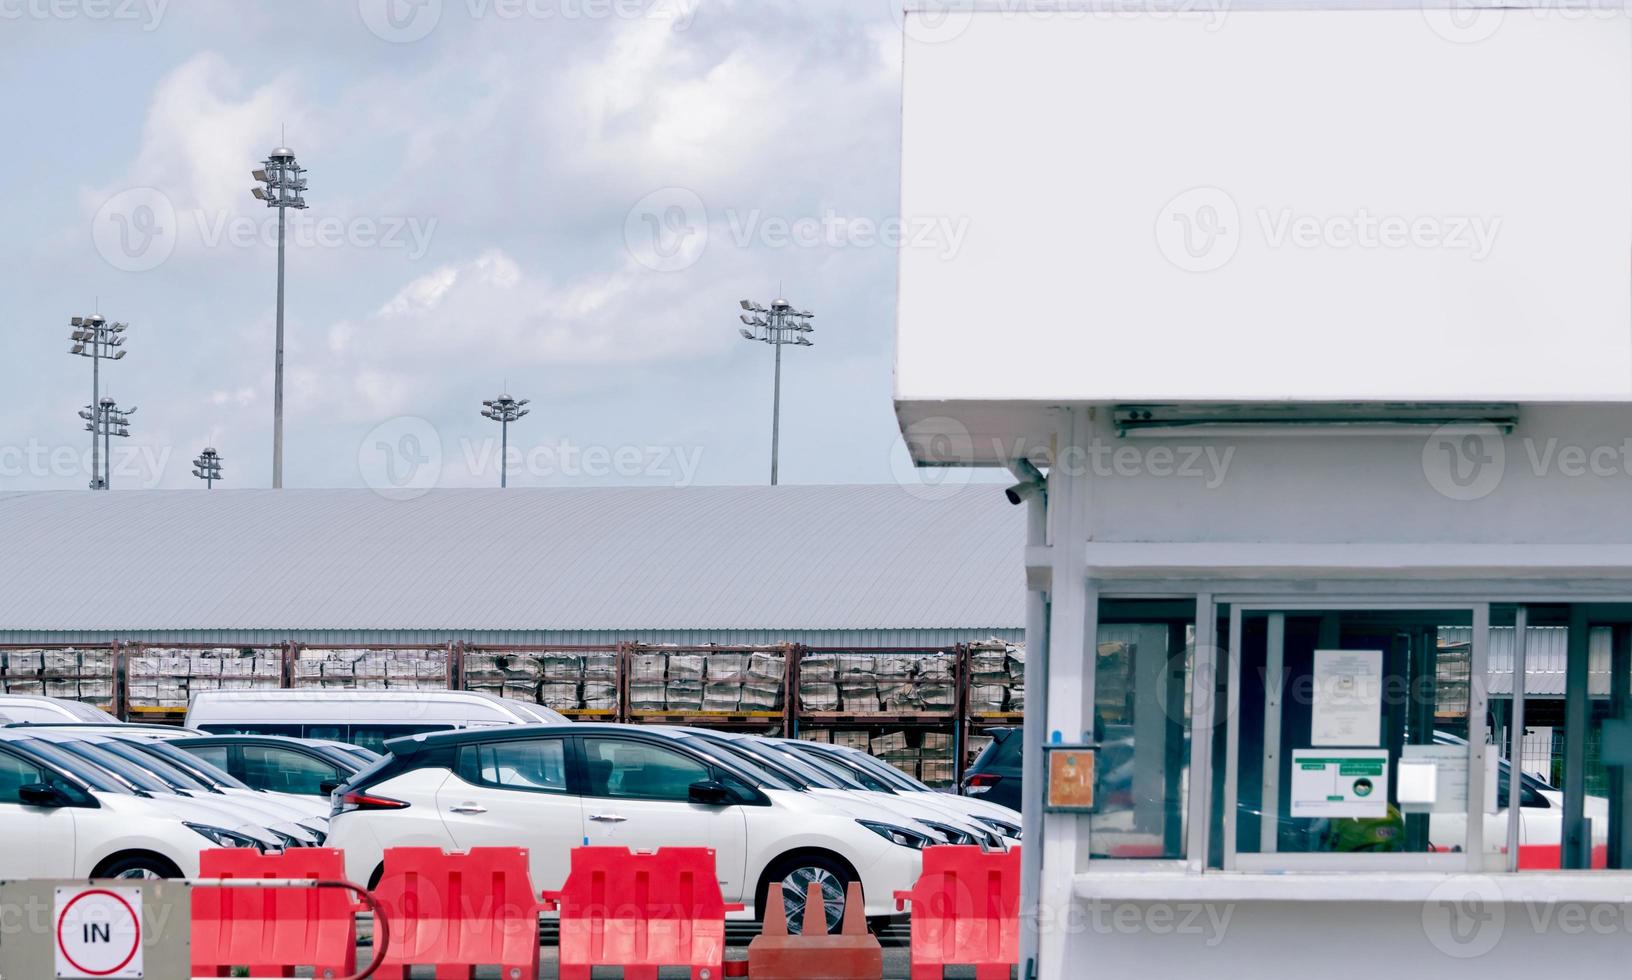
pixel 327 787
pixel 39 794
pixel 709 792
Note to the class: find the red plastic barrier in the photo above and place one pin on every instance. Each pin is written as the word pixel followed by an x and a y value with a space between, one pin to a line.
pixel 965 912
pixel 271 931
pixel 1550 857
pixel 641 911
pixel 459 911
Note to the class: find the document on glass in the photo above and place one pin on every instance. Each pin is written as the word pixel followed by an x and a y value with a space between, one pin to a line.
pixel 1348 698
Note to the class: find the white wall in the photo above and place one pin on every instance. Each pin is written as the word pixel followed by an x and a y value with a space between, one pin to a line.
pixel 1347 941
pixel 1563 476
pixel 1406 206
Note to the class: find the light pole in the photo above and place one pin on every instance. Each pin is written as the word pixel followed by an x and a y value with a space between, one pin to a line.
pixel 777 326
pixel 207 467
pixel 283 183
pixel 504 410
pixel 107 420
pixel 96 338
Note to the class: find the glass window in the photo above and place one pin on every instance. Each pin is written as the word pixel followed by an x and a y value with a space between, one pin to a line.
pixel 14 775
pixel 285 771
pixel 640 770
pixel 1353 736
pixel 1142 677
pixel 215 755
pixel 534 764
pixel 374 737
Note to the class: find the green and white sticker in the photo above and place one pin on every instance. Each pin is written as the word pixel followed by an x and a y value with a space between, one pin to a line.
pixel 1339 782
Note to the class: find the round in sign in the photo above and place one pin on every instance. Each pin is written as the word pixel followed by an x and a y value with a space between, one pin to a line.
pixel 99 933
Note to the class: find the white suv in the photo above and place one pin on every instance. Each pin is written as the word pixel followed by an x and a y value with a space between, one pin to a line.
pixel 552 788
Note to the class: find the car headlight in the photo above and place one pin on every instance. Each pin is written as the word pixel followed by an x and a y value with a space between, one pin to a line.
pixel 951 833
pixel 897 835
pixel 222 837
pixel 1001 826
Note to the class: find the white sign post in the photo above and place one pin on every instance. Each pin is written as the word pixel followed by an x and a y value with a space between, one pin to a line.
pixel 98 932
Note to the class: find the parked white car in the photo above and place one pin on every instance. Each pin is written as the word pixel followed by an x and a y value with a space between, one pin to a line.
pixel 64 825
pixel 553 788
pixel 154 774
pixel 811 774
pixel 107 776
pixel 994 815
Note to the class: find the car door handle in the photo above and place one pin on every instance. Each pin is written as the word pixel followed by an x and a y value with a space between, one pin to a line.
pixel 470 808
pixel 607 818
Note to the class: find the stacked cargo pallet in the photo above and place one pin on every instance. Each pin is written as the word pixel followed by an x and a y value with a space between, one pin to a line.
pixel 368 668
pixel 566 680
pixel 717 682
pixel 997 679
pixel 926 756
pixel 165 677
pixel 75 673
pixel 861 683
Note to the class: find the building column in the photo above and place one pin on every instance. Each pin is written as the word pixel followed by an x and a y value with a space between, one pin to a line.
pixel 1069 697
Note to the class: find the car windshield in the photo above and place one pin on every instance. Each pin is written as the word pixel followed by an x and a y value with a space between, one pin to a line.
pixel 796 768
pixel 745 764
pixel 836 776
pixel 882 770
pixel 174 775
pixel 97 756
pixel 92 775
pixel 205 771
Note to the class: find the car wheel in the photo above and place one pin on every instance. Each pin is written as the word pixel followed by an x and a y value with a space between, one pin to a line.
pixel 791 878
pixel 138 867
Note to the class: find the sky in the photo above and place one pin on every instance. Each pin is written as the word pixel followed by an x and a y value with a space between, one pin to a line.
pixel 559 199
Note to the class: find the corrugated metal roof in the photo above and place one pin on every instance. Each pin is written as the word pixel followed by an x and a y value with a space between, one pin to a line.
pixel 839 557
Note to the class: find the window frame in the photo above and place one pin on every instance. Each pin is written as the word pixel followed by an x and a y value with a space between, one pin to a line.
pixel 713 771
pixel 1471 860
pixel 470 772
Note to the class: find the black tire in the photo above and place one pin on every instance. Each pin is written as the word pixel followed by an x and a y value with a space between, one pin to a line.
pixel 136 866
pixel 791 876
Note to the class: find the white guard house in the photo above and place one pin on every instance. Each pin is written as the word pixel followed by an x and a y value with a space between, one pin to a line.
pixel 1318 319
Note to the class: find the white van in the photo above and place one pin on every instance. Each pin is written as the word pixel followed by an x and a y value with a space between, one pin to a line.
pixel 366 718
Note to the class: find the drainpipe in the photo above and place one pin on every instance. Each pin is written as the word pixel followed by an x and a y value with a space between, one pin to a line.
pixel 1032 491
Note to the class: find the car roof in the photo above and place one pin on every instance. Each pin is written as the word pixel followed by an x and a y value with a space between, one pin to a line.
pixel 414 744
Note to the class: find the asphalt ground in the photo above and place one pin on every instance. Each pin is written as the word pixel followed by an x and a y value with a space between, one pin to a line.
pixel 894 941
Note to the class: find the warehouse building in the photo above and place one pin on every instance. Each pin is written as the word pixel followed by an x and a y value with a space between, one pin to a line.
pixel 892 615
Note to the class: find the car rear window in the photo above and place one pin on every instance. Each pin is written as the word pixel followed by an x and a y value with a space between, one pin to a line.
pixel 1004 752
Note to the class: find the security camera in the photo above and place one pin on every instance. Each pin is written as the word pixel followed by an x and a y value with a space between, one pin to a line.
pixel 1022 492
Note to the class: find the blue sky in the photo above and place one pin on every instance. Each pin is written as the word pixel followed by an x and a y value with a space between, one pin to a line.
pixel 565 197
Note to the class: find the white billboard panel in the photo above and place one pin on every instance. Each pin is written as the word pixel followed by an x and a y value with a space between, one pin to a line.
pixel 1250 205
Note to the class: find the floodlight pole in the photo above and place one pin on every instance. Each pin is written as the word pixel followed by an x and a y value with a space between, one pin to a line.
pixel 93 337
pixel 283 182
pixel 97 480
pixel 779 325
pixel 504 410
pixel 207 467
pixel 277 375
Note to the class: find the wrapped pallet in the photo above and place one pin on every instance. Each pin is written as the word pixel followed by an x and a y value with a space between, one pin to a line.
pixel 482 668
pixel 601 668
pixel 726 697
pixel 24 664
pixel 818 696
pixel 726 668
pixel 822 667
pixel 761 695
pixel 684 695
pixel 599 696
pixel 685 667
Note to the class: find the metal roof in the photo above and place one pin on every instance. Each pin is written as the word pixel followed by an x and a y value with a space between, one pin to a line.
pixel 790 557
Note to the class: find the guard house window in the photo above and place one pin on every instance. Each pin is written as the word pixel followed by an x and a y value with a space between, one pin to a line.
pixel 1351 729
pixel 1142 677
